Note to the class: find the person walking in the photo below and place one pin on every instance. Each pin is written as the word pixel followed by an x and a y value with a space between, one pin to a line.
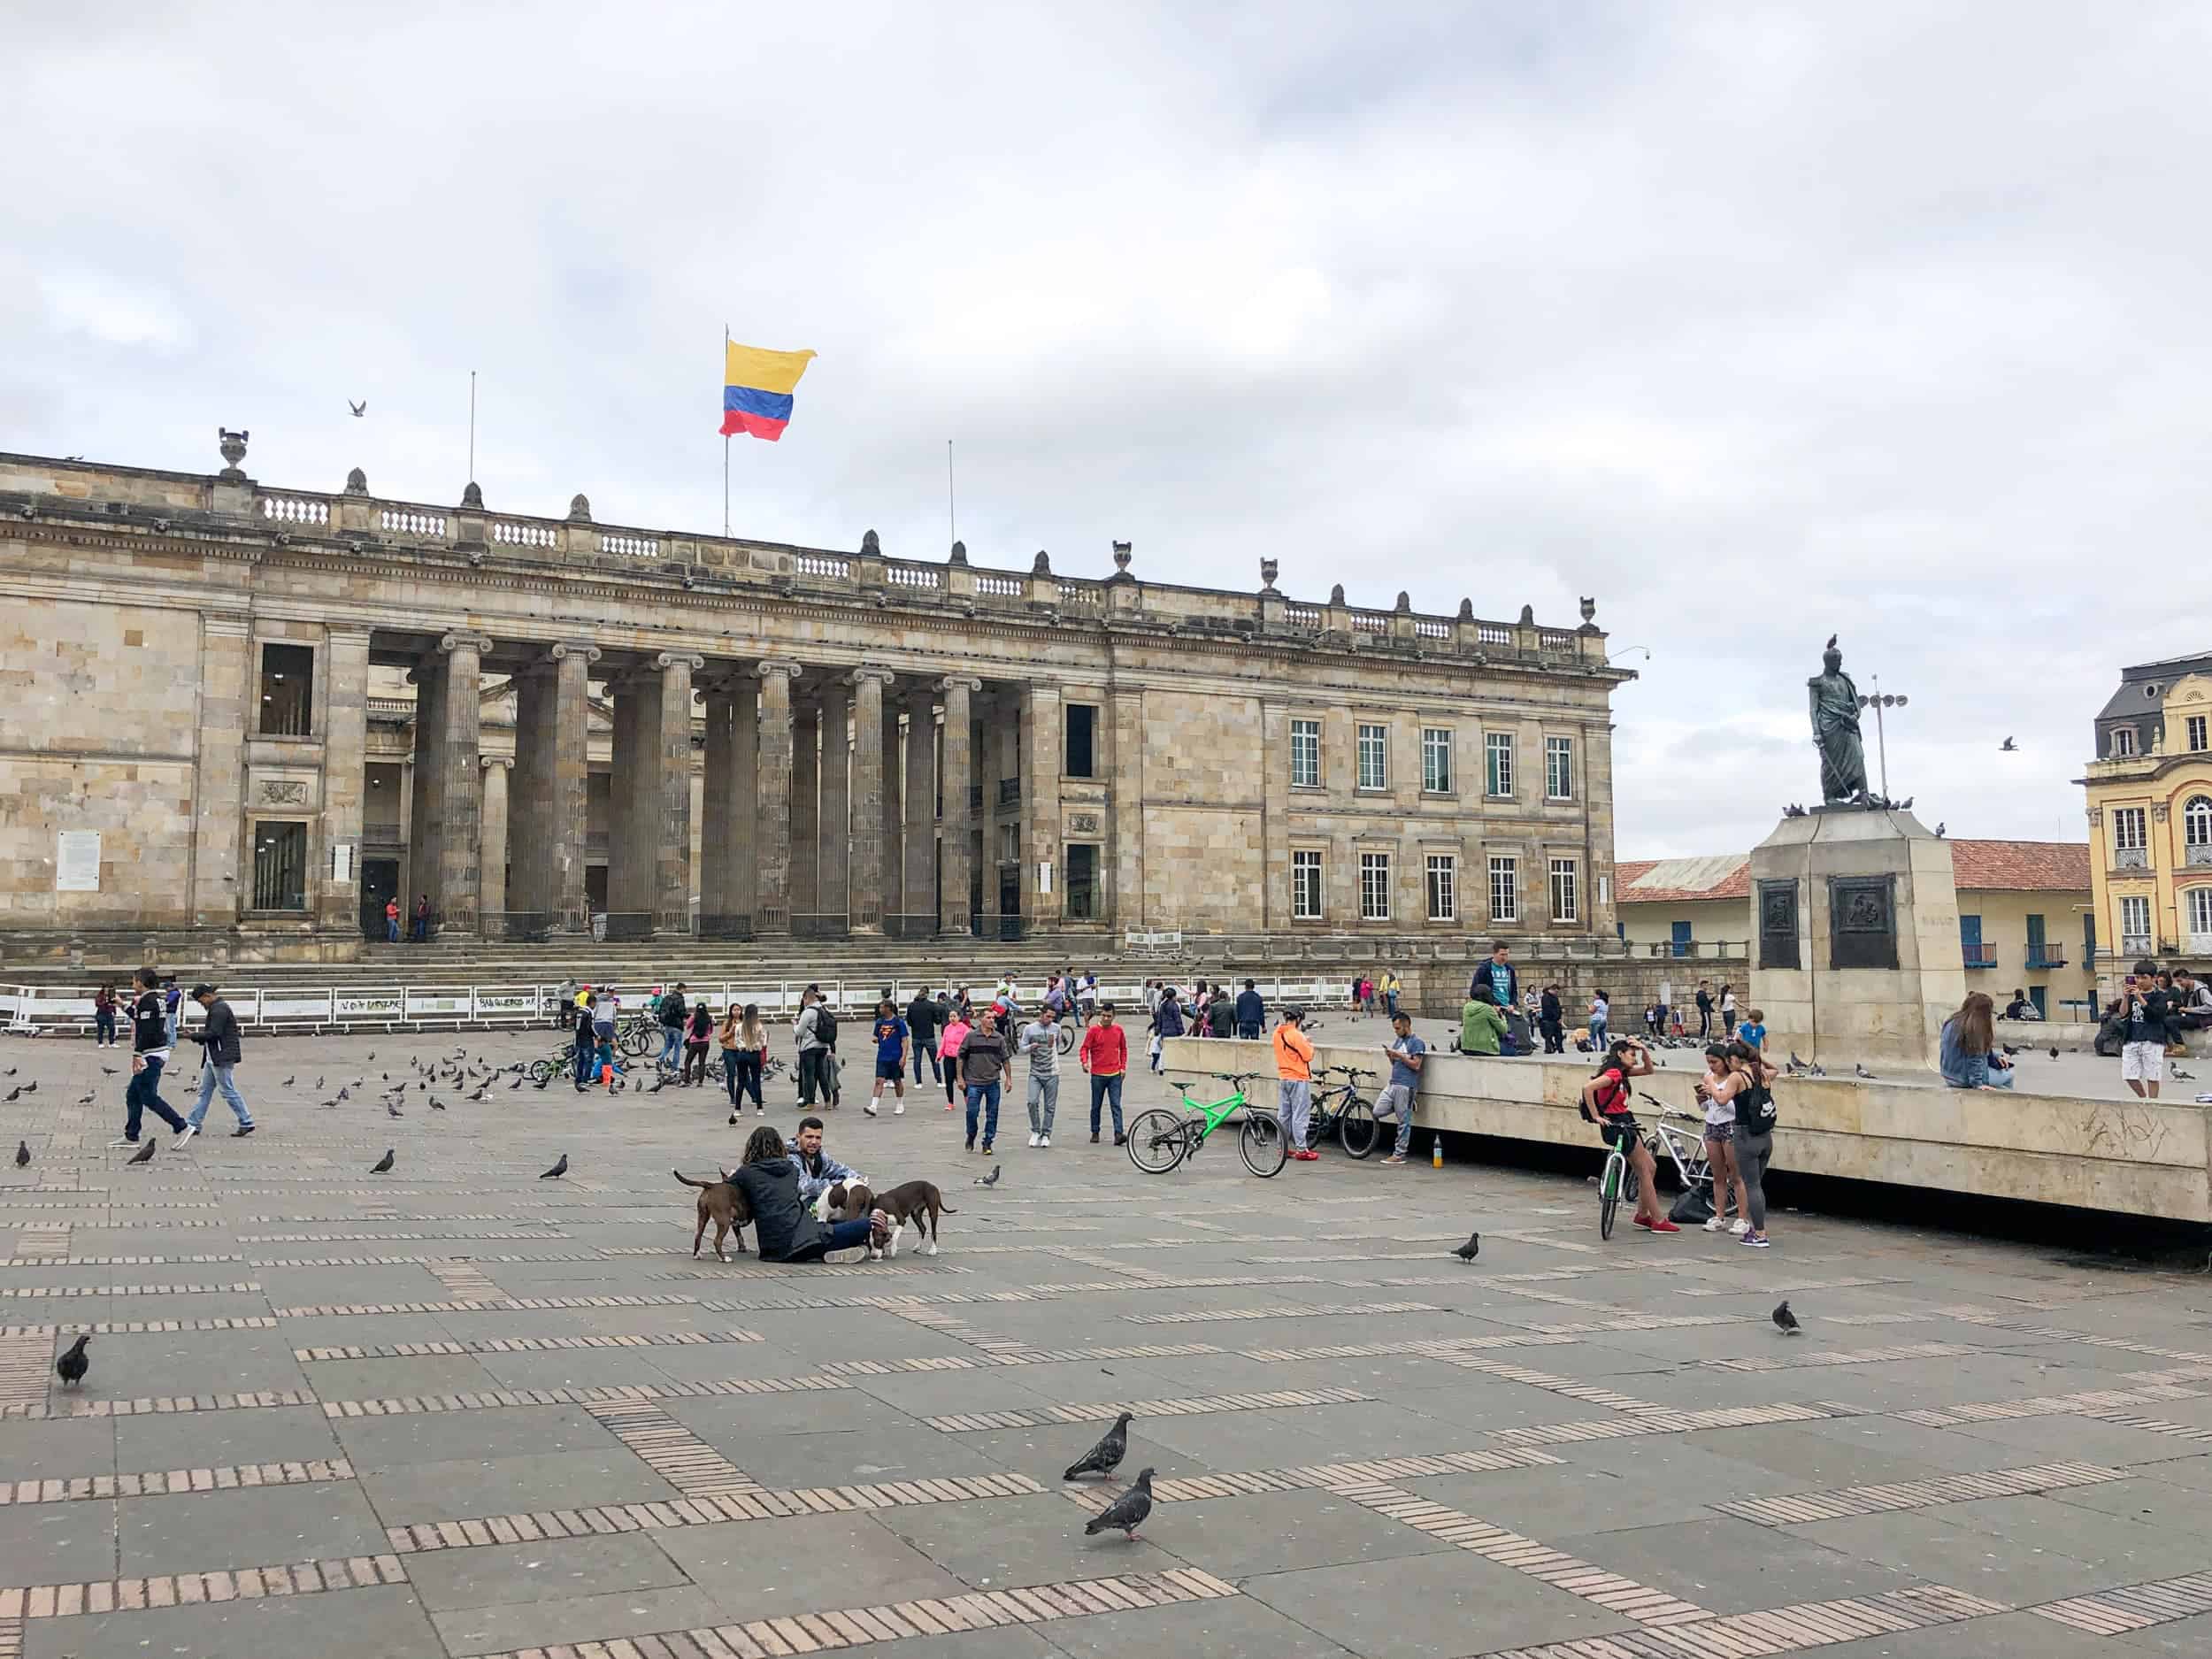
pixel 1251 1011
pixel 103 1017
pixel 1408 1055
pixel 1704 1011
pixel 698 1036
pixel 171 1006
pixel 1390 992
pixel 1666 1008
pixel 744 1041
pixel 955 1032
pixel 1167 1021
pixel 892 1038
pixel 1601 1019
pixel 1293 1071
pixel 1728 1011
pixel 150 1052
pixel 673 1016
pixel 217 1037
pixel 1104 1056
pixel 982 1060
pixel 1551 1019
pixel 1040 1041
pixel 806 1036
pixel 925 1018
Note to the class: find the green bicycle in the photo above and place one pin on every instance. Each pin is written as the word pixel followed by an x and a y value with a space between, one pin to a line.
pixel 1161 1138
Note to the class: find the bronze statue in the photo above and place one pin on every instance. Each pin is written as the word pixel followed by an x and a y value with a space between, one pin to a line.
pixel 1834 702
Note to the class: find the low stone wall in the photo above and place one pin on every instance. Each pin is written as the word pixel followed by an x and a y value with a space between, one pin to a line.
pixel 2064 1034
pixel 2135 1158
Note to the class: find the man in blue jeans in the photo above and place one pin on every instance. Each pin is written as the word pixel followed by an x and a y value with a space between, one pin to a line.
pixel 219 1041
pixel 587 1041
pixel 672 1016
pixel 1406 1052
pixel 1251 1012
pixel 150 1052
pixel 982 1060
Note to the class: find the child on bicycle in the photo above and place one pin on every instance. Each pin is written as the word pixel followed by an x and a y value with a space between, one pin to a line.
pixel 1606 1100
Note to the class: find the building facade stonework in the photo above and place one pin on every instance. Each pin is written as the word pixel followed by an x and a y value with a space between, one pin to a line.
pixel 264 711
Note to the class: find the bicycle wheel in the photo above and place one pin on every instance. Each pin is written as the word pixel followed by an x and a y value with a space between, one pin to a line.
pixel 1356 1127
pixel 636 1039
pixel 1609 1193
pixel 1157 1140
pixel 546 1071
pixel 1262 1144
pixel 1065 1041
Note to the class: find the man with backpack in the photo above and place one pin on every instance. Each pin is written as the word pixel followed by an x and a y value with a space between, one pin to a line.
pixel 813 1047
pixel 673 1014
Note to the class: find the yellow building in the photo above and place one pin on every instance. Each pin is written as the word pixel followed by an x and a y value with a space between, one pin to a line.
pixel 2150 815
pixel 2023 919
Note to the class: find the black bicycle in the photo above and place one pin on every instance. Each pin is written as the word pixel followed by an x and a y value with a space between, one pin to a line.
pixel 1341 1110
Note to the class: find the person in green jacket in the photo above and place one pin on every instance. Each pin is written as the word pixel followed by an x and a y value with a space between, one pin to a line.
pixel 1481 1027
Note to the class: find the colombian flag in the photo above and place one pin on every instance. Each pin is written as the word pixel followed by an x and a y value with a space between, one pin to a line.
pixel 757 389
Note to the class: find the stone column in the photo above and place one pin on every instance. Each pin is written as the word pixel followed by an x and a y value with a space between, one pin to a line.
pixel 458 801
pixel 633 864
pixel 806 840
pixel 742 840
pixel 491 857
pixel 917 888
pixel 550 810
pixel 832 898
pixel 955 852
pixel 717 809
pixel 1124 810
pixel 345 773
pixel 893 866
pixel 669 803
pixel 772 800
pixel 870 859
pixel 222 888
pixel 428 679
pixel 1042 738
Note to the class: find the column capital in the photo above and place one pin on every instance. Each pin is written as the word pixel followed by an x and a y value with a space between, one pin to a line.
pixel 676 659
pixel 882 676
pixel 773 667
pixel 960 682
pixel 564 648
pixel 346 633
pixel 462 638
pixel 489 761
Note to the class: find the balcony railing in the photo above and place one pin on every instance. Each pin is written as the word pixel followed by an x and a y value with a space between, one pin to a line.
pixel 2134 945
pixel 2198 855
pixel 1009 791
pixel 1979 956
pixel 2046 956
pixel 2130 858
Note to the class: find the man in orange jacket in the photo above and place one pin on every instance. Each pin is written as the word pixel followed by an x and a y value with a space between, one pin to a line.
pixel 1293 1063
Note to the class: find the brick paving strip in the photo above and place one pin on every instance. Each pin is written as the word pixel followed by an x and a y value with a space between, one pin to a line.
pixel 495 1399
pixel 2046 1406
pixel 503 1304
pixel 242 1584
pixel 526 1344
pixel 1798 1509
pixel 1777 1631
pixel 26 1352
pixel 1853 1356
pixel 1105 1411
pixel 529 1237
pixel 465 1280
pixel 140 1327
pixel 33 1291
pixel 164 1483
pixel 20 1260
pixel 672 1451
pixel 898 1621
pixel 11 1638
pixel 753 1504
pixel 1281 1310
pixel 43 1241
pixel 1380 1350
pixel 2133 1607
pixel 1315 1476
pixel 1667 1423
pixel 1590 1394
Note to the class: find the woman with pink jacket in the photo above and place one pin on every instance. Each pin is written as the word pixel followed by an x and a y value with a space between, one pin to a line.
pixel 949 1051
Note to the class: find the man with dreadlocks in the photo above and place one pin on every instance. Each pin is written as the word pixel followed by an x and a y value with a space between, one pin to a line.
pixel 783 1227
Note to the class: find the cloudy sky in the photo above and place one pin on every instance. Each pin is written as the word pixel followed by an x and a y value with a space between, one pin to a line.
pixel 1754 322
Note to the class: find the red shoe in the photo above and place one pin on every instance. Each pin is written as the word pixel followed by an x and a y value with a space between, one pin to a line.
pixel 1660 1225
pixel 1307 1156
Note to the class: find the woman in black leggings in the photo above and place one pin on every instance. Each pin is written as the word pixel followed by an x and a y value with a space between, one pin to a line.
pixel 1748 1088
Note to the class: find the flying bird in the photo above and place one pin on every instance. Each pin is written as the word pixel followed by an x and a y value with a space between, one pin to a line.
pixel 1127 1512
pixel 72 1366
pixel 145 1156
pixel 1784 1321
pixel 1468 1251
pixel 22 1153
pixel 2007 747
pixel 558 1170
pixel 1106 1456
pixel 992 1179
pixel 383 1165
pixel 109 1070
pixel 359 409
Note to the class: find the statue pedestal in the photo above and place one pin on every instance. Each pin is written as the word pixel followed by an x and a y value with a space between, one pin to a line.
pixel 1854 939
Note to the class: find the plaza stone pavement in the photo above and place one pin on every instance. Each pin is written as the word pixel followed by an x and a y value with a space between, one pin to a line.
pixel 459 1411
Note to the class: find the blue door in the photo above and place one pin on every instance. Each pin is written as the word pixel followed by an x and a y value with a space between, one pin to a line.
pixel 1681 939
pixel 1970 941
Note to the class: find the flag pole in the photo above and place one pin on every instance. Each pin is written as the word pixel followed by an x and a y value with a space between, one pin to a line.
pixel 952 514
pixel 472 477
pixel 726 449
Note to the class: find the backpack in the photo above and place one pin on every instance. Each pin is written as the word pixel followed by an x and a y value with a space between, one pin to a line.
pixel 826 1024
pixel 1620 1094
pixel 1756 1111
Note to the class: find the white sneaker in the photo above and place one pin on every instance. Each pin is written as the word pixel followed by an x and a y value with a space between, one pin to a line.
pixel 899 1109
pixel 1714 1224
pixel 120 1144
pixel 1044 1140
pixel 1740 1227
pixel 1034 1137
pixel 188 1131
pixel 870 1109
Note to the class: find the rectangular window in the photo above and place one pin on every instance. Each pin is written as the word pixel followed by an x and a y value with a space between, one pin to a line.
pixel 1374 887
pixel 2135 927
pixel 2129 849
pixel 2122 740
pixel 1436 759
pixel 1305 754
pixel 1443 888
pixel 279 866
pixel 1009 843
pixel 1559 769
pixel 1082 736
pixel 1305 887
pixel 1566 894
pixel 1374 757
pixel 1505 890
pixel 288 691
pixel 1497 747
pixel 2196 727
pixel 1082 883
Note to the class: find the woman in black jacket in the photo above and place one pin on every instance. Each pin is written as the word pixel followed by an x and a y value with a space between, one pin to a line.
pixel 783 1227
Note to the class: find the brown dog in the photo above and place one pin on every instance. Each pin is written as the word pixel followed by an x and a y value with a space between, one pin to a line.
pixel 721 1202
pixel 845 1202
pixel 918 1202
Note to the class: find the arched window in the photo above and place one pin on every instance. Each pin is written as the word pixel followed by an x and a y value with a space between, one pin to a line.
pixel 2196 822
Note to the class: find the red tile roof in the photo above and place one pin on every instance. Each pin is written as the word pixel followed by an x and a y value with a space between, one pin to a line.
pixel 1975 865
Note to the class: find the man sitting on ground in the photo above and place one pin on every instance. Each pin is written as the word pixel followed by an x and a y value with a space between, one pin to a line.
pixel 784 1226
pixel 817 1170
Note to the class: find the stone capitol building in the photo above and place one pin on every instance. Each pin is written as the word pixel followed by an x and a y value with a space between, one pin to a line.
pixel 247 717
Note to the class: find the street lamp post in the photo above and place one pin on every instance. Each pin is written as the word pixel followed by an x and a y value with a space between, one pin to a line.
pixel 1878 702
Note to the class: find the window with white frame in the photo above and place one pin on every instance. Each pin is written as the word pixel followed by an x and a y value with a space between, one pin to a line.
pixel 1436 759
pixel 2130 849
pixel 1305 754
pixel 1374 887
pixel 2122 740
pixel 2135 924
pixel 1305 887
pixel 1505 889
pixel 1559 769
pixel 1443 885
pixel 1566 893
pixel 2200 904
pixel 2196 821
pixel 1497 747
pixel 1374 757
pixel 2194 727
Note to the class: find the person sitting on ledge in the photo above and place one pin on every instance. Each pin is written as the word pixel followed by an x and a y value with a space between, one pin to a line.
pixel 2020 1008
pixel 784 1228
pixel 1969 1048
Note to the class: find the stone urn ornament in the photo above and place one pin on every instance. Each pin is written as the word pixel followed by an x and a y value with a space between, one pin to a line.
pixel 1269 569
pixel 234 448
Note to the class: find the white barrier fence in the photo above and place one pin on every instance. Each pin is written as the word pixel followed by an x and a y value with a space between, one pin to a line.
pixel 26 1008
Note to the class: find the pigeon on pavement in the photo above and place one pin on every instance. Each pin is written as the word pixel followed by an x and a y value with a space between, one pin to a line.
pixel 1784 1321
pixel 145 1155
pixel 1128 1511
pixel 558 1170
pixel 992 1179
pixel 391 1109
pixel 2054 1051
pixel 1106 1456
pixel 22 1153
pixel 1468 1251
pixel 382 1166
pixel 72 1366
pixel 436 1105
pixel 31 1088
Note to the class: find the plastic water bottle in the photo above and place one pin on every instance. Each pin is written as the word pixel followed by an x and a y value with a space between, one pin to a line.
pixel 1436 1149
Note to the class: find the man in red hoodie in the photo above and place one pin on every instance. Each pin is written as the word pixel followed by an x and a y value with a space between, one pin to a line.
pixel 1105 1055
